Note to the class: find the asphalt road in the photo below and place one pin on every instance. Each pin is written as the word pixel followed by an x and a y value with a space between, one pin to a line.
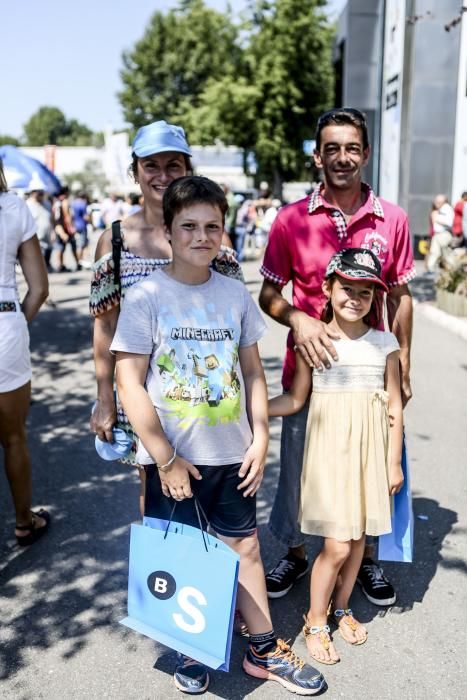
pixel 61 600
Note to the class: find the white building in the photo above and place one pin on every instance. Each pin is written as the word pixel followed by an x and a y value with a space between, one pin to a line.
pixel 224 164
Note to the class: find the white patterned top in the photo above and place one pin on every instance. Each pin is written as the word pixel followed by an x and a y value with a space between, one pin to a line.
pixel 361 364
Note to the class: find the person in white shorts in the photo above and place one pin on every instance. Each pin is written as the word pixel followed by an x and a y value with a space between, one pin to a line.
pixel 18 241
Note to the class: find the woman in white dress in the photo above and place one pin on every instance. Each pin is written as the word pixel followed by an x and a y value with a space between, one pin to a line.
pixel 18 242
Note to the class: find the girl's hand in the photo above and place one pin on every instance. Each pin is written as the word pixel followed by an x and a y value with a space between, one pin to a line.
pixel 103 419
pixel 396 479
pixel 252 469
pixel 176 480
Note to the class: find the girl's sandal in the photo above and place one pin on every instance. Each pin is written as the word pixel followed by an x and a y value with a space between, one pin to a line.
pixel 323 633
pixel 34 533
pixel 346 616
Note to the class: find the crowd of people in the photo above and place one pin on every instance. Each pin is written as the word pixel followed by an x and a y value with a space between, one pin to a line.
pixel 67 220
pixel 447 231
pixel 176 332
pixel 249 220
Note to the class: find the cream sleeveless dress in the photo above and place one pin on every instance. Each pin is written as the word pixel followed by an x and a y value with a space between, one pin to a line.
pixel 344 485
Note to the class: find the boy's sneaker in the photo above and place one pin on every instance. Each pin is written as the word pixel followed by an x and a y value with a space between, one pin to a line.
pixel 285 667
pixel 374 583
pixel 282 577
pixel 190 676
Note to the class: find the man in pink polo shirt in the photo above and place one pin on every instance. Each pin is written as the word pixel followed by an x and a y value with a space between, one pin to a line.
pixel 342 212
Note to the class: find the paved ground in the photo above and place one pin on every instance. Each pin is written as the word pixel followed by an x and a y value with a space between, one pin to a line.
pixel 60 601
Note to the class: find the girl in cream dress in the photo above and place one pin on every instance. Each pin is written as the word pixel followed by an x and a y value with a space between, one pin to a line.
pixel 352 457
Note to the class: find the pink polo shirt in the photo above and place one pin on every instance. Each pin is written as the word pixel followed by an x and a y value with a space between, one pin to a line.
pixel 307 233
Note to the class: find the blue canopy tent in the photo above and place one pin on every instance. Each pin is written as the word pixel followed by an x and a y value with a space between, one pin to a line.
pixel 25 173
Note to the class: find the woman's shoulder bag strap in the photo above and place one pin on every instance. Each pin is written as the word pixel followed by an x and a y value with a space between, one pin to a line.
pixel 117 245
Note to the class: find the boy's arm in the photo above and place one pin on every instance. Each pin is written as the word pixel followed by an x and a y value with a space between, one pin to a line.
pixel 295 399
pixel 131 376
pixel 256 400
pixel 392 383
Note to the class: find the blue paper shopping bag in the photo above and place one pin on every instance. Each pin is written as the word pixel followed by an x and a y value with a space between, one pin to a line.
pixel 182 588
pixel 398 544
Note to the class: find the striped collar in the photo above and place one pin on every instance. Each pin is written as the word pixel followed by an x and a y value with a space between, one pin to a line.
pixel 317 200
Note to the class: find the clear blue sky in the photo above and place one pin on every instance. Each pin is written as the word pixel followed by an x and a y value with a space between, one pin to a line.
pixel 68 55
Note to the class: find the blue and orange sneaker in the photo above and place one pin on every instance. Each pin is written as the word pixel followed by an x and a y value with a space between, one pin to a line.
pixel 285 667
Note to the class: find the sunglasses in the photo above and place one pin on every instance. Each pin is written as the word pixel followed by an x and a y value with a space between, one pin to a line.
pixel 342 110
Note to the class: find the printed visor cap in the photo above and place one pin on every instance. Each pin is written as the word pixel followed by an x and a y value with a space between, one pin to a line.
pixel 160 137
pixel 356 264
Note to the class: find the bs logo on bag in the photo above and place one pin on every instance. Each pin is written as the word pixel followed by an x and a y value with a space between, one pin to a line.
pixel 163 586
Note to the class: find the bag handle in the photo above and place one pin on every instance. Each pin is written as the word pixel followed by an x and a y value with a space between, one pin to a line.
pixel 117 244
pixel 199 509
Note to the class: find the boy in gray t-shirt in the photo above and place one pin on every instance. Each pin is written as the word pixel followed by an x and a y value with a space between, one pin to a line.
pixel 191 381
pixel 194 335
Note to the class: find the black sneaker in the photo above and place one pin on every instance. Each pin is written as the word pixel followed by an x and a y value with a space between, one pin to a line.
pixel 282 577
pixel 190 676
pixel 374 583
pixel 285 667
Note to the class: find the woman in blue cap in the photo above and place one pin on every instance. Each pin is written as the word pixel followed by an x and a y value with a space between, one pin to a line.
pixel 160 154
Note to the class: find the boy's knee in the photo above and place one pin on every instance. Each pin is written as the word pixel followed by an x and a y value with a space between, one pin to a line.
pixel 247 547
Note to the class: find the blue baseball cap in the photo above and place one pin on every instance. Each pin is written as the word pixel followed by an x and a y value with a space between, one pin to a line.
pixel 119 447
pixel 160 137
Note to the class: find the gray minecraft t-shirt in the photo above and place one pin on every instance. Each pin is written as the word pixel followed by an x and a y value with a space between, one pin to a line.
pixel 193 334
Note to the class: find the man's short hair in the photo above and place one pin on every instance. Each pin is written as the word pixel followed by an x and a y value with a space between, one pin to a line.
pixel 189 190
pixel 340 116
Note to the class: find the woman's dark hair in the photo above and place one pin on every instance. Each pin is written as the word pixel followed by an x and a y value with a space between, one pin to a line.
pixel 189 190
pixel 373 317
pixel 343 116
pixel 133 167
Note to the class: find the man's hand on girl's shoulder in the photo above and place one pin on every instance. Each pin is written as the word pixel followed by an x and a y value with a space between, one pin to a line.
pixel 313 339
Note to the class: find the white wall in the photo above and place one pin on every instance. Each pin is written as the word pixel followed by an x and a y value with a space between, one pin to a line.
pixel 459 177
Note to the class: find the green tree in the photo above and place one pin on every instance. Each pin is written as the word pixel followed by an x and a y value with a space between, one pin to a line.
pixel 49 125
pixel 227 111
pixel 166 72
pixel 77 135
pixel 5 139
pixel 260 85
pixel 290 59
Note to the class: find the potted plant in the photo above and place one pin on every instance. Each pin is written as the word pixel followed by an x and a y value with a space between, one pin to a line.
pixel 451 286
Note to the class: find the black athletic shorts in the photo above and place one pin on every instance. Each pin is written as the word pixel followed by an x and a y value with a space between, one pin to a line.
pixel 229 512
